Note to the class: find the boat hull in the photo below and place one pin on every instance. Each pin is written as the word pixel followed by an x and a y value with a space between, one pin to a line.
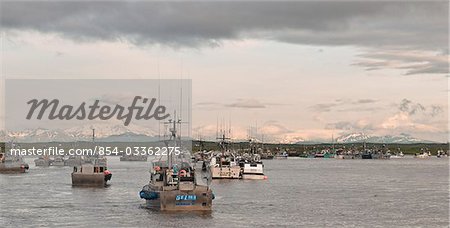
pixel 14 169
pixel 226 172
pixel 267 156
pixel 171 200
pixel 138 159
pixel 59 164
pixel 253 177
pixel 43 163
pixel 12 165
pixel 253 171
pixel 94 179
pixel 380 156
pixel 345 156
pixel 424 155
pixel 396 157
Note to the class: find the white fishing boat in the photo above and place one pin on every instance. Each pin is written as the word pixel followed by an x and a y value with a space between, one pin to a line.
pixel 441 154
pixel 424 153
pixel 252 168
pixel 397 155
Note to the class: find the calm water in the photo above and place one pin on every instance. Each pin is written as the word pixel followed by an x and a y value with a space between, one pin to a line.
pixel 299 192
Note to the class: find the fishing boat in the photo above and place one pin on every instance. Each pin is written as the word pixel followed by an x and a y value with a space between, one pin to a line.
pixel 397 154
pixel 175 184
pixel 91 173
pixel 441 154
pixel 73 161
pixel 43 161
pixel 324 154
pixel 224 164
pixel 346 156
pixel 252 168
pixel 58 161
pixel 366 155
pixel 282 155
pixel 381 155
pixel 267 156
pixel 303 155
pixel 11 163
pixel 423 155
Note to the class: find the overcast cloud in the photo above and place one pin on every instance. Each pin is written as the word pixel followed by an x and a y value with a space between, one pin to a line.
pixel 205 23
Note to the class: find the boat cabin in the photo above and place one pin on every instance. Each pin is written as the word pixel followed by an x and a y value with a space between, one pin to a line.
pixel 182 177
pixel 89 169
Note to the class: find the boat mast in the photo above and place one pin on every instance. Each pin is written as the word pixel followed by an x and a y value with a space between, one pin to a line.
pixel 174 136
pixel 93 143
pixel 173 132
pixel 332 142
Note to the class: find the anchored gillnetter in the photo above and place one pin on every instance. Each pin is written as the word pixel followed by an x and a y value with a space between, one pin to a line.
pixel 175 184
pixel 93 172
pixel 11 163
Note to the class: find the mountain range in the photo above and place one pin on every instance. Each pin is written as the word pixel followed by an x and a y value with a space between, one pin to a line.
pixel 103 133
pixel 362 137
pixel 120 133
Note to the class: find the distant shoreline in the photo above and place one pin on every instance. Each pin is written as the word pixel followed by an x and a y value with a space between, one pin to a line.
pixel 291 149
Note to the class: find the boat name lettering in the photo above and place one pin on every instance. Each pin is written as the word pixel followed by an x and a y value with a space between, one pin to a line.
pixel 186 197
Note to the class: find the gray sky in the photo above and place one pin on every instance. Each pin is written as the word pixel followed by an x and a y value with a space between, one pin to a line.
pixel 297 70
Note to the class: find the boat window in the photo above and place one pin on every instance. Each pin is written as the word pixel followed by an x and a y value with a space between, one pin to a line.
pixel 186 179
pixel 158 177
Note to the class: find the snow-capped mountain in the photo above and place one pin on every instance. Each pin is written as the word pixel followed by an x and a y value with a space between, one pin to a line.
pixel 106 130
pixel 36 135
pixel 353 137
pixel 292 139
pixel 361 137
pixel 80 133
